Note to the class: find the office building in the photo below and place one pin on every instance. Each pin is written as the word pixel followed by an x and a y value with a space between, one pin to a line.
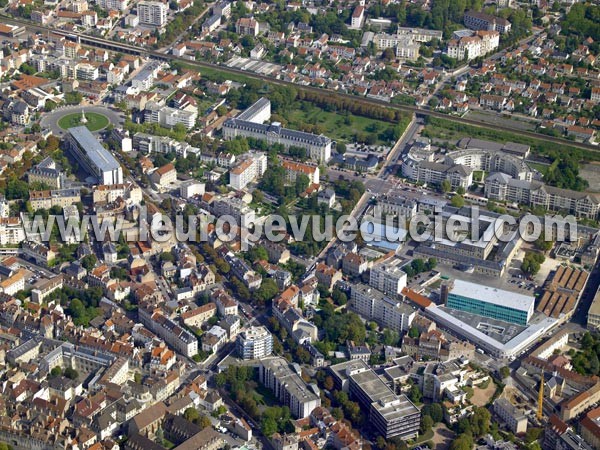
pixel 375 305
pixel 254 343
pixel 152 12
pixel 288 386
pixel 488 302
pixel 390 414
pixel 93 157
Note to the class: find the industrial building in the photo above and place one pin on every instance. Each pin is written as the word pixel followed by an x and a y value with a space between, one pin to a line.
pixel 94 158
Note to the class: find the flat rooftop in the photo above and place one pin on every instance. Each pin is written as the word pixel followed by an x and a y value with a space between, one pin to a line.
pixel 493 295
pixel 100 157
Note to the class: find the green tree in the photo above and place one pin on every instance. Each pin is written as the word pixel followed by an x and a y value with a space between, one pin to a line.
pixel 457 201
pixel 504 372
pixel 88 262
pixel 446 186
pixel 191 414
pixel 426 424
pixel 71 373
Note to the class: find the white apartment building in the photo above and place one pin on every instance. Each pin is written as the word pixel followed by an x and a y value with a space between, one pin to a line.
pixel 388 277
pixel 408 49
pixel 471 47
pixel 249 169
pixel 374 305
pixel 358 18
pixel 169 117
pixel 87 72
pixel 152 12
pixel 11 231
pixel 276 374
pixel 113 5
pixel 254 343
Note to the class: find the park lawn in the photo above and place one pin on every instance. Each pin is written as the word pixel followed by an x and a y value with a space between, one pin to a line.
pixel 334 124
pixel 95 121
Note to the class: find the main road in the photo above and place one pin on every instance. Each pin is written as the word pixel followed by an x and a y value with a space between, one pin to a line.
pixel 93 41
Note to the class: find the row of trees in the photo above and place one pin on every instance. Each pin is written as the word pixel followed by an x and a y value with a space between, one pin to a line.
pixel 331 102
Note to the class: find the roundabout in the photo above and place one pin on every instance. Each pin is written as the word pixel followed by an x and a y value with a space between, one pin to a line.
pixel 95 118
pixel 93 121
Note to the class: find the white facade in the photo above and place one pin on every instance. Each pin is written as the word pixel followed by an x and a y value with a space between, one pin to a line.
pixel 374 305
pixel 388 278
pixel 152 13
pixel 254 343
pixel 248 170
pixel 113 5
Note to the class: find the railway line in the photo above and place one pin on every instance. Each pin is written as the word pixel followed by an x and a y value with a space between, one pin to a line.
pixel 95 41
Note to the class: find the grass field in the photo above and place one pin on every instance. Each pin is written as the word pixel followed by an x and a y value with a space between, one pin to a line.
pixel 95 121
pixel 338 127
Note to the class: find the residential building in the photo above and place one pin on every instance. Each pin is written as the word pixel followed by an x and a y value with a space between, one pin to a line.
pixel 11 231
pixel 502 187
pixel 515 419
pixel 164 176
pixel 58 197
pixel 254 343
pixel 37 252
pixel 354 264
pixel 327 276
pixel 247 26
pixel 113 5
pixel 327 197
pixel 293 169
pixel 46 172
pixel 169 117
pixel 589 428
pixel 13 283
pixel 388 277
pixel 198 316
pixel 152 12
pixel 482 21
pixel 253 166
pixel 177 337
pixel 358 17
pixel 285 382
pixel 374 305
